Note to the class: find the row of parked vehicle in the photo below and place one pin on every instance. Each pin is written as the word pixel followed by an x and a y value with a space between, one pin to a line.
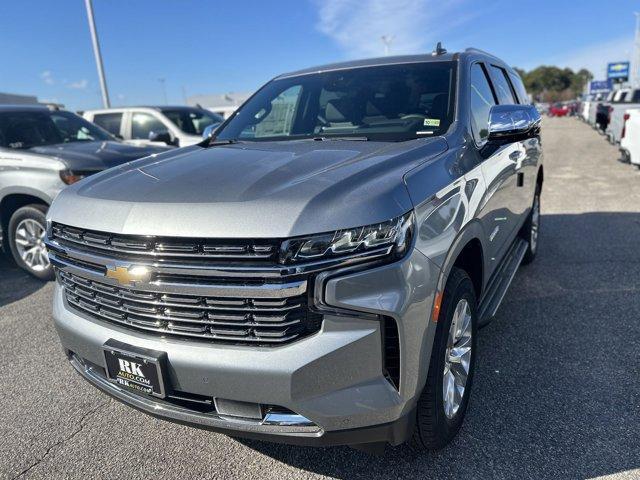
pixel 558 109
pixel 42 150
pixel 617 116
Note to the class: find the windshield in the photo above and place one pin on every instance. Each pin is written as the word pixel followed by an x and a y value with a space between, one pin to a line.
pixel 192 120
pixel 32 129
pixel 385 103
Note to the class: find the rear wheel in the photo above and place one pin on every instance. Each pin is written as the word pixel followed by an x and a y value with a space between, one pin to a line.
pixel 444 400
pixel 27 230
pixel 531 230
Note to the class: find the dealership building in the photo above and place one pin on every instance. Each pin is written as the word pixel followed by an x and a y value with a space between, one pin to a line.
pixel 223 104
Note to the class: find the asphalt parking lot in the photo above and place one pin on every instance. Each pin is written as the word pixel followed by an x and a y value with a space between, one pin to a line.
pixel 556 393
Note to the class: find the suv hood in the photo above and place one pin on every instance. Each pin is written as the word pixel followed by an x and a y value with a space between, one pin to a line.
pixel 252 189
pixel 95 156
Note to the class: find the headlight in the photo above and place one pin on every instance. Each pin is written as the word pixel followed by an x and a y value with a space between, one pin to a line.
pixel 387 238
pixel 69 177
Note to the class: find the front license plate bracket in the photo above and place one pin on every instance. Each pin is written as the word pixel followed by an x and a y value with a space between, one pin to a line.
pixel 137 369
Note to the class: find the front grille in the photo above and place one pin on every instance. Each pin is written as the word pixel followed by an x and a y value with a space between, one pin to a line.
pixel 260 321
pixel 158 248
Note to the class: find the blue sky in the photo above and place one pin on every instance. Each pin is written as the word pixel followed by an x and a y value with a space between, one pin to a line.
pixel 201 46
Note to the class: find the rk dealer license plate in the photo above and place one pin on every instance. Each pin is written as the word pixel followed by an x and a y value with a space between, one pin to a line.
pixel 134 368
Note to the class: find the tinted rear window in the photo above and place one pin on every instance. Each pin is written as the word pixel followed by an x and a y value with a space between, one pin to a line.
pixel 109 121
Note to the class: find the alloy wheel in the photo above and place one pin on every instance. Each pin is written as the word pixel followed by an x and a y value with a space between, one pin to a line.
pixel 29 239
pixel 457 359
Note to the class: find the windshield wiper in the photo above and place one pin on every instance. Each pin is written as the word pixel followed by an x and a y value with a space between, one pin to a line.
pixel 216 143
pixel 345 138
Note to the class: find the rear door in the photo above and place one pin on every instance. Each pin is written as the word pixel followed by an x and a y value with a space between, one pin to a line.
pixel 527 182
pixel 499 214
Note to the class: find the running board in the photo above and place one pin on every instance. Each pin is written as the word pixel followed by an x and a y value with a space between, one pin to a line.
pixel 500 282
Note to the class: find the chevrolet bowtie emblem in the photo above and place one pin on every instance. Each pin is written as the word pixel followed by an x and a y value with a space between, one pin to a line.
pixel 128 276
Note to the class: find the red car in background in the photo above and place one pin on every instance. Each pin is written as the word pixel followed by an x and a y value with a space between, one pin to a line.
pixel 558 110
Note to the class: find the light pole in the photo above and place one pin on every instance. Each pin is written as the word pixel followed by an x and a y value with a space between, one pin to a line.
pixel 387 40
pixel 636 53
pixel 164 89
pixel 97 54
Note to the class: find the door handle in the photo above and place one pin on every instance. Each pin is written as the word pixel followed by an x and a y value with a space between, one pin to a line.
pixel 517 155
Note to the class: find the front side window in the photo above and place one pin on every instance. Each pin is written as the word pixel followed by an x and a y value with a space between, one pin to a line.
pixel 109 121
pixel 192 121
pixel 501 84
pixel 22 130
pixel 277 120
pixel 481 102
pixel 142 124
pixel 382 103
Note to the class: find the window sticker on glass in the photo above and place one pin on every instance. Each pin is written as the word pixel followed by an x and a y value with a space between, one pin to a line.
pixel 431 122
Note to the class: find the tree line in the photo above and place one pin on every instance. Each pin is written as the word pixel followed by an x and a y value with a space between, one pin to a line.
pixel 553 84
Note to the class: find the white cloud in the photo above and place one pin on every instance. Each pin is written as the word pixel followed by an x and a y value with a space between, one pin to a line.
pixel 47 77
pixel 80 84
pixel 593 57
pixel 358 25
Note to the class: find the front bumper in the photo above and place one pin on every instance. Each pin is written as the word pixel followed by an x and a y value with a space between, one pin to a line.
pixel 333 378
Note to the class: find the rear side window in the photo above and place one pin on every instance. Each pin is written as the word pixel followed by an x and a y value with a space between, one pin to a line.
pixel 109 121
pixel 636 96
pixel 481 102
pixel 521 92
pixel 502 86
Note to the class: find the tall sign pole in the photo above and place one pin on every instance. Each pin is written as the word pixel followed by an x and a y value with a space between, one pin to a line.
pixel 387 39
pixel 97 54
pixel 635 74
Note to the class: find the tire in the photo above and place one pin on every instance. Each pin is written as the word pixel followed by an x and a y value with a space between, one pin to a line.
pixel 530 232
pixel 24 232
pixel 436 422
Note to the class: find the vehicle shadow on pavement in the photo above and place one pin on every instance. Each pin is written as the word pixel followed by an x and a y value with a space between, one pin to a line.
pixel 15 283
pixel 556 392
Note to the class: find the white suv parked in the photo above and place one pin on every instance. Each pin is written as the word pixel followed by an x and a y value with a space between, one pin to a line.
pixel 179 126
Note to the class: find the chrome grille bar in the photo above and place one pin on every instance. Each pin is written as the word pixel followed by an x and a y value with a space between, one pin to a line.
pixel 212 288
pixel 159 247
pixel 270 322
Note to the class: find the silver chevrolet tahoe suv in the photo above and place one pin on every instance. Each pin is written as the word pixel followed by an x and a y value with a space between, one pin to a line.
pixel 316 272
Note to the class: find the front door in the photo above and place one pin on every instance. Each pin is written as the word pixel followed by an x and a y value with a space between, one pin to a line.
pixel 499 210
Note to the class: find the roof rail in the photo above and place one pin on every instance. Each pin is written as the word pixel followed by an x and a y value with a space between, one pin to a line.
pixel 477 50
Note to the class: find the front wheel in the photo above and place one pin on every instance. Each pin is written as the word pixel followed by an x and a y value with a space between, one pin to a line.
pixel 27 230
pixel 443 402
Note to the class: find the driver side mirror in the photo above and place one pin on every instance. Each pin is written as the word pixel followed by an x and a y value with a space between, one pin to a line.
pixel 511 123
pixel 161 136
pixel 210 130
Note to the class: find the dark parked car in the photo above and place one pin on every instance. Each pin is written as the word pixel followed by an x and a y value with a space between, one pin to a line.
pixel 41 152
